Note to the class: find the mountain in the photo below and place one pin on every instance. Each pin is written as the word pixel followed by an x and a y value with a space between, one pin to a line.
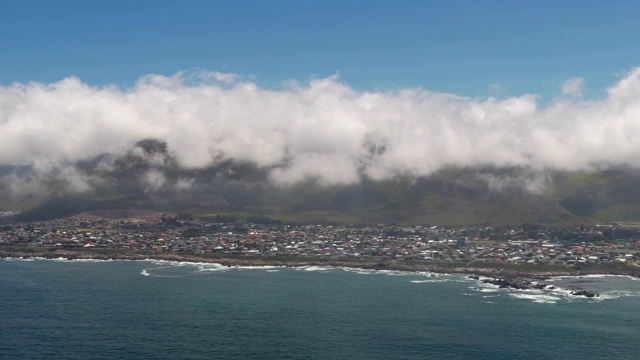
pixel 449 197
pixel 149 177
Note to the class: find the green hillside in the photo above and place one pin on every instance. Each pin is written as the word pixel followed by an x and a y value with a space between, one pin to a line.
pixel 452 196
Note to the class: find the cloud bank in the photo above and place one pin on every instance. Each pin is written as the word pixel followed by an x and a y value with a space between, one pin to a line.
pixel 322 129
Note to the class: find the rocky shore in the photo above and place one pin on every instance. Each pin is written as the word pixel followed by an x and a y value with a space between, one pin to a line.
pixel 502 277
pixel 525 284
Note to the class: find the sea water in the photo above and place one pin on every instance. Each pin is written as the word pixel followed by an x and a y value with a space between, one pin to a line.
pixel 167 310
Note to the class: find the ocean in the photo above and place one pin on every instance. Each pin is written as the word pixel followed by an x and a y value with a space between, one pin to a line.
pixel 55 309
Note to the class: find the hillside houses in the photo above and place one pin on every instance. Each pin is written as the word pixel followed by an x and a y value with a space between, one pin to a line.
pixel 521 244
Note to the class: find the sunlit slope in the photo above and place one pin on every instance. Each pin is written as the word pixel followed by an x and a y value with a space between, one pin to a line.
pixel 453 196
pixel 608 195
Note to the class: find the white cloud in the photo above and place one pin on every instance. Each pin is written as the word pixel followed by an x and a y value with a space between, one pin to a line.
pixel 573 87
pixel 154 180
pixel 534 181
pixel 183 184
pixel 227 78
pixel 323 129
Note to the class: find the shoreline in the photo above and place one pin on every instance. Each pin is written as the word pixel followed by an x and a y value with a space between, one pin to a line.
pixel 502 272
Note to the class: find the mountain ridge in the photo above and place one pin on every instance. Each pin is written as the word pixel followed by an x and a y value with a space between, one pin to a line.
pixel 148 176
pixel 446 198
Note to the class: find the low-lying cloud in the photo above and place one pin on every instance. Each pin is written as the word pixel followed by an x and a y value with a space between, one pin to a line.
pixel 323 129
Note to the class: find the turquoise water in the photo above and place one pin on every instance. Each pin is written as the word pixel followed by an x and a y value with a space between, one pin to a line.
pixel 161 310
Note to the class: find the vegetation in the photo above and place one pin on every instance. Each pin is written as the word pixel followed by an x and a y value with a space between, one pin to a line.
pixel 239 192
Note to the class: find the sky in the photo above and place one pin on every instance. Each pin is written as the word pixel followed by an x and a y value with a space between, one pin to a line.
pixel 332 90
pixel 470 48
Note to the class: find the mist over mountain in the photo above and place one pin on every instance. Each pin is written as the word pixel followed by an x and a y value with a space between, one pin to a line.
pixel 322 151
pixel 148 176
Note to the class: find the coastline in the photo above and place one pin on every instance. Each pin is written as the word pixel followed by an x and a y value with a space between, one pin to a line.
pixel 505 271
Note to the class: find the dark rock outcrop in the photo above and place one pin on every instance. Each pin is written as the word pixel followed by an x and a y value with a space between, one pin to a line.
pixel 506 283
pixel 586 293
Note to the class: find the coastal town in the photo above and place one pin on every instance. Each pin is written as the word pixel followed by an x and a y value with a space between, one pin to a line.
pixel 567 246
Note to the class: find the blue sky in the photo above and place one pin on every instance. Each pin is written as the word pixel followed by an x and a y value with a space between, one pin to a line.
pixel 537 85
pixel 469 48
